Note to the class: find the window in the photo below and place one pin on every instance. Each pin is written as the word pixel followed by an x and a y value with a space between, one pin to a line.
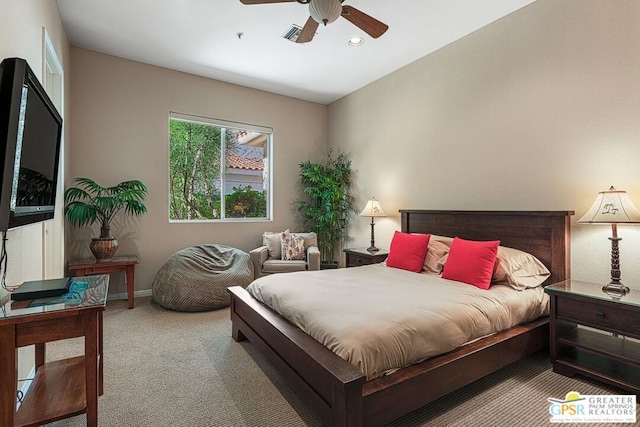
pixel 218 170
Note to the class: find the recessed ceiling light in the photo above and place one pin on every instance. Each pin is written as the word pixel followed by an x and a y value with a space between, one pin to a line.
pixel 356 41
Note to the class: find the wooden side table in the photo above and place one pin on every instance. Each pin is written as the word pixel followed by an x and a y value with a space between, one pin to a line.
pixel 61 388
pixel 361 256
pixel 90 266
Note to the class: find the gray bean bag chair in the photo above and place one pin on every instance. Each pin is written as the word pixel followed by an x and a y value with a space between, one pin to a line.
pixel 196 278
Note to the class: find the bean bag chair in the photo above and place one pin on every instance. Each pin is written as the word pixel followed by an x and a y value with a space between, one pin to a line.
pixel 196 278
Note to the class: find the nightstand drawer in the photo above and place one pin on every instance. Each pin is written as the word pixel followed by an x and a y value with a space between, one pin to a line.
pixel 355 261
pixel 598 314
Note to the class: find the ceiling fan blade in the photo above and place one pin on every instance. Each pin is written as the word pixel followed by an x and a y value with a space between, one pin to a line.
pixel 366 23
pixel 308 31
pixel 265 1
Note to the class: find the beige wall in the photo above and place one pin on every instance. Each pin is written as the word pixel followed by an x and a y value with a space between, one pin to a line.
pixel 21 35
pixel 120 131
pixel 539 110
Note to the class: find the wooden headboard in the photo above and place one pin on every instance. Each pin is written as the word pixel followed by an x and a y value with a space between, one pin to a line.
pixel 544 234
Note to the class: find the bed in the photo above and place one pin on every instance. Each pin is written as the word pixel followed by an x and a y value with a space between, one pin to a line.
pixel 341 394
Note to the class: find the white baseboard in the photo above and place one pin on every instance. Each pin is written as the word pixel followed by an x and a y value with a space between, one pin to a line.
pixel 124 296
pixel 26 384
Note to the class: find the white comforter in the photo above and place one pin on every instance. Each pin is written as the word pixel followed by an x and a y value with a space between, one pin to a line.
pixel 381 319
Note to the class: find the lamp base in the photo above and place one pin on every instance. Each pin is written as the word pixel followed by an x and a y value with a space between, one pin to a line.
pixel 372 248
pixel 616 289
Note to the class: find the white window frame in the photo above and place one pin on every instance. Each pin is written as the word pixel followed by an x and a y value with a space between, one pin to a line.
pixel 235 125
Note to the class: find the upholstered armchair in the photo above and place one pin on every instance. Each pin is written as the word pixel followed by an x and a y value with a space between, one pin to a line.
pixel 285 252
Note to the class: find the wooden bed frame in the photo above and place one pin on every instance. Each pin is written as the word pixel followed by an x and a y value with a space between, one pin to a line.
pixel 340 393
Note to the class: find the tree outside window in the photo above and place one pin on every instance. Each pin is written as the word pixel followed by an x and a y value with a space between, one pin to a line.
pixel 217 171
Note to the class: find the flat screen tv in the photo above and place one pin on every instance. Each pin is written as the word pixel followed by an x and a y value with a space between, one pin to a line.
pixel 30 133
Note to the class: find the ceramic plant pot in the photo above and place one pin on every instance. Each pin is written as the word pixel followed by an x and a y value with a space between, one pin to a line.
pixel 103 248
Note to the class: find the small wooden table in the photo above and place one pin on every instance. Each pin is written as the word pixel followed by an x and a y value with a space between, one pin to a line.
pixel 61 388
pixel 90 266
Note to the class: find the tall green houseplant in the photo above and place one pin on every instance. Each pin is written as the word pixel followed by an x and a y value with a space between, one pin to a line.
pixel 327 203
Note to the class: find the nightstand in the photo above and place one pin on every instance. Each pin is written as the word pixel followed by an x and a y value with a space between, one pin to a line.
pixel 361 256
pixel 590 331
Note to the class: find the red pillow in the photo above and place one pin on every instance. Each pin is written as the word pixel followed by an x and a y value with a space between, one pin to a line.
pixel 408 251
pixel 471 262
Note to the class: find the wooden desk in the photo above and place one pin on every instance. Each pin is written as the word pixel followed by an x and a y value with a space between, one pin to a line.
pixel 90 266
pixel 62 388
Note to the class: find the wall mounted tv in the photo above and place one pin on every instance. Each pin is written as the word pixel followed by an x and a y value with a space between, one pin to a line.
pixel 30 133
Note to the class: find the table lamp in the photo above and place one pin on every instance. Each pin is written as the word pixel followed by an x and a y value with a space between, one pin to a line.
pixel 613 207
pixel 373 209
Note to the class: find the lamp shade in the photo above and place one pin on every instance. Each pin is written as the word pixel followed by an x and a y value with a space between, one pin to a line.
pixel 325 11
pixel 373 209
pixel 612 207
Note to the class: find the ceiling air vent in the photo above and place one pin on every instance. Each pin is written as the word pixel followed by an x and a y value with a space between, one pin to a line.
pixel 292 33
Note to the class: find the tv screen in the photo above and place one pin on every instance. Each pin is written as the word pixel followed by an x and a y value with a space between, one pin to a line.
pixel 30 130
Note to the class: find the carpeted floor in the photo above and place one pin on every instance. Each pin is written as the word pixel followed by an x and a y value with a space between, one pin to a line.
pixel 164 368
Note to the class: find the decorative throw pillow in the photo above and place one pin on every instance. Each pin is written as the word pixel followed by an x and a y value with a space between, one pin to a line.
pixel 273 242
pixel 437 249
pixel 518 269
pixel 407 251
pixel 292 247
pixel 471 262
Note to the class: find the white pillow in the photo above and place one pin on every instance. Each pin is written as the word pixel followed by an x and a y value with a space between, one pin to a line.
pixel 518 269
pixel 437 249
pixel 273 242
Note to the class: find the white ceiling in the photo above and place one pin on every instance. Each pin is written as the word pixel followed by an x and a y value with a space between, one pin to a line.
pixel 200 37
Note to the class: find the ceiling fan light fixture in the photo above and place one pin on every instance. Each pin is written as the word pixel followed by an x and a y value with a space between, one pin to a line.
pixel 325 11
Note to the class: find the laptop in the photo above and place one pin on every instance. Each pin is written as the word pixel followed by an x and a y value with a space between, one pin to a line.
pixel 41 289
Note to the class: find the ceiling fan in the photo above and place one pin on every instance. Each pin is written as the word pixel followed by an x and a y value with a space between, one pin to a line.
pixel 327 11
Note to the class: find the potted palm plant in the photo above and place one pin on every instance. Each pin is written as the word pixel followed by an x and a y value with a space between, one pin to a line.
pixel 89 202
pixel 327 204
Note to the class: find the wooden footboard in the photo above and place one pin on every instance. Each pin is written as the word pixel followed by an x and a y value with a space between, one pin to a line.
pixel 331 386
pixel 390 397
